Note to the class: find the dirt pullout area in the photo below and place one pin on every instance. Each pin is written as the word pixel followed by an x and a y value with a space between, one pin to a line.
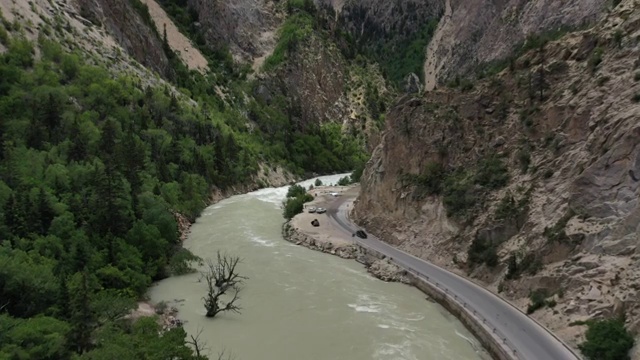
pixel 331 240
pixel 179 43
pixel 325 237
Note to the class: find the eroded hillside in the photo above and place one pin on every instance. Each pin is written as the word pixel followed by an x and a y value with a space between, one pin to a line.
pixel 527 179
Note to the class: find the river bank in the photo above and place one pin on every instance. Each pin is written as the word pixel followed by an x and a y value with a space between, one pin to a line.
pixel 298 302
pixel 326 238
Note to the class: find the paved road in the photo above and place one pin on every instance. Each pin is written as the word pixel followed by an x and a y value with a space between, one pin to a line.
pixel 530 340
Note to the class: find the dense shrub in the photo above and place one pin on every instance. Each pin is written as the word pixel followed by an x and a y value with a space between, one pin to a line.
pixel 296 191
pixel 607 340
pixel 483 251
pixel 538 300
pixel 459 194
pixel 297 196
pixel 492 173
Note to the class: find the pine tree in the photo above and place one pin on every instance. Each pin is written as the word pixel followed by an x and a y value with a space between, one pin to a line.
pixel 45 212
pixel 15 217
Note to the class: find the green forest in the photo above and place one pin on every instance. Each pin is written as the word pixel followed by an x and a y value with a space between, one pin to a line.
pixel 93 169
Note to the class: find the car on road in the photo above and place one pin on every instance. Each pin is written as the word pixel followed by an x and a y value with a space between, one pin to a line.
pixel 312 210
pixel 321 210
pixel 334 194
pixel 361 234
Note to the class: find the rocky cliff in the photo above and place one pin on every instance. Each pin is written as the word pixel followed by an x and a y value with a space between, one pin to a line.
pixel 246 27
pixel 527 179
pixel 477 32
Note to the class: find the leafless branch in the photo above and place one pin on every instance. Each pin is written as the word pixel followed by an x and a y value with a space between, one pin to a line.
pixel 221 277
pixel 199 346
pixel 221 355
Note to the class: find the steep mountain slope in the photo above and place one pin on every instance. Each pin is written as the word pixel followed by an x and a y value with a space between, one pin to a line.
pixel 478 31
pixel 527 179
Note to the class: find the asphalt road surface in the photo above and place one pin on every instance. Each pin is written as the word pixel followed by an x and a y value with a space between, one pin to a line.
pixel 530 340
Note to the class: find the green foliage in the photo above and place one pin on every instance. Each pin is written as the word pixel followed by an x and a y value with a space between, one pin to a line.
pixel 92 170
pixel 538 300
pixel 357 172
pixel 143 340
pixel 492 173
pixel 459 194
pixel 181 261
pixel 462 189
pixel 297 196
pixel 345 181
pixel 296 191
pixel 636 97
pixel 294 6
pixel 4 36
pixel 37 338
pixel 406 57
pixel 607 340
pixel 296 29
pixel 524 159
pixel 636 76
pixel 431 180
pixel 511 209
pixel 483 251
pixel 317 183
pixel 557 233
pixel 528 264
pixel 595 59
pixel 143 10
pixel 218 56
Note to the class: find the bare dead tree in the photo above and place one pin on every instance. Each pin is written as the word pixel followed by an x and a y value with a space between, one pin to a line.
pixel 221 355
pixel 222 279
pixel 199 346
pixel 226 271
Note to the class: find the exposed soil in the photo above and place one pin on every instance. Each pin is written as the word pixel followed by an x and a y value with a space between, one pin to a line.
pixel 179 43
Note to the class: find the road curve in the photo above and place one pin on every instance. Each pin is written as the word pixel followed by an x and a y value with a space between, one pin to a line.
pixel 530 339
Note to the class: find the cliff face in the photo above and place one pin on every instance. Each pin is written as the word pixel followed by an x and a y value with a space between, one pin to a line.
pixel 477 31
pixel 133 33
pixel 527 180
pixel 246 27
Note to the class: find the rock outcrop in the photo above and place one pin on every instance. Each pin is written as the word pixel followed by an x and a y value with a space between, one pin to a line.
pixel 247 27
pixel 527 179
pixel 293 235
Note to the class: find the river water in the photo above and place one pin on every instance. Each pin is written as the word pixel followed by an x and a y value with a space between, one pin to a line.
pixel 300 304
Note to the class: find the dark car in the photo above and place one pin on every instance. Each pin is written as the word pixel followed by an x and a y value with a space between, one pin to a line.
pixel 361 234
